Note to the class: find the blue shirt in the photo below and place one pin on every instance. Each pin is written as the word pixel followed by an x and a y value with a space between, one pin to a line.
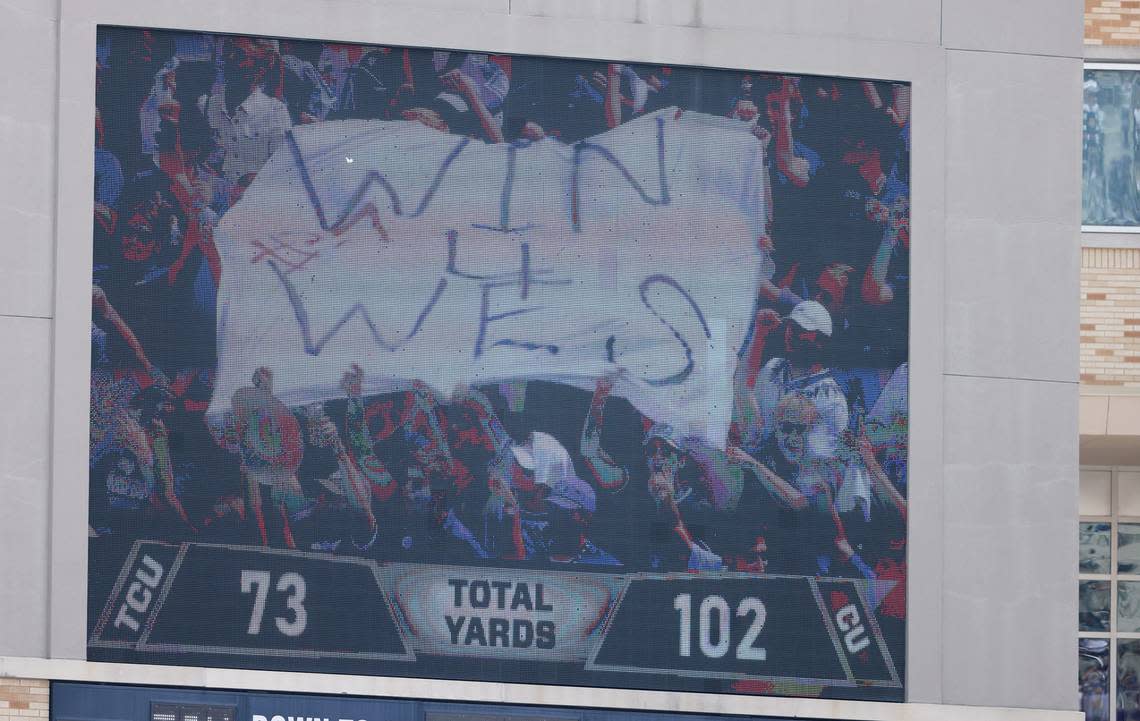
pixel 108 177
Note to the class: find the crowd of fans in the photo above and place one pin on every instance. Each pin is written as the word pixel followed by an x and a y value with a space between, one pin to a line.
pixel 813 478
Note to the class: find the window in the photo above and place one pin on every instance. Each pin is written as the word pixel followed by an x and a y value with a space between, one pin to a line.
pixel 1111 147
pixel 1109 594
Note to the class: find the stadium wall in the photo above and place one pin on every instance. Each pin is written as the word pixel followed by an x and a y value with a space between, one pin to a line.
pixel 994 399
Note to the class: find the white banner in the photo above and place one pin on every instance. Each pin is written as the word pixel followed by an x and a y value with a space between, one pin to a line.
pixel 422 255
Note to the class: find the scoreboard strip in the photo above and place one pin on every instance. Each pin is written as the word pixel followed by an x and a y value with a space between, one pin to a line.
pixel 206 597
pixel 226 601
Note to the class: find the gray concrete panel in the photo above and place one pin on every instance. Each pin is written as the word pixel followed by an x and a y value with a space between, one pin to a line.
pixel 1012 215
pixel 1009 576
pixel 1035 27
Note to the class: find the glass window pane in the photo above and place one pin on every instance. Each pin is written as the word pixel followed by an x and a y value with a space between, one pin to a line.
pixel 1127 679
pixel 1128 548
pixel 1094 605
pixel 1093 678
pixel 1128 606
pixel 1096 539
pixel 1110 155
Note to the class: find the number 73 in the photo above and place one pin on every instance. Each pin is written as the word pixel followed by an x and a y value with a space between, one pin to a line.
pixel 258 582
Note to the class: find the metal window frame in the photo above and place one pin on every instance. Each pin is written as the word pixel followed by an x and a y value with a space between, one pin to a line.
pixel 1134 229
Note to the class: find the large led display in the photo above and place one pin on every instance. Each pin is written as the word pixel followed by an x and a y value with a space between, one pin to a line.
pixel 432 363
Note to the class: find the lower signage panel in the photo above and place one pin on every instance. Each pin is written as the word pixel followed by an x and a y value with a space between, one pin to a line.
pixel 138 703
pixel 242 606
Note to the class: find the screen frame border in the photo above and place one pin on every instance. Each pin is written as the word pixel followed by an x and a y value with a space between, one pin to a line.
pixel 475 27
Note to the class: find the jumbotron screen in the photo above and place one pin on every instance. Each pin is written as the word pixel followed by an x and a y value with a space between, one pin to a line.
pixel 443 364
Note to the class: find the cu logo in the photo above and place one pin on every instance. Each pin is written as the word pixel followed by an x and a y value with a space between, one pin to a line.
pixel 849 623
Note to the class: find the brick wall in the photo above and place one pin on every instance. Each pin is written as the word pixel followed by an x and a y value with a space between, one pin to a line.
pixel 1110 317
pixel 1112 22
pixel 23 699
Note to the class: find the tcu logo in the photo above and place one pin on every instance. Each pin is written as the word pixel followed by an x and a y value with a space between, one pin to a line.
pixel 849 623
pixel 140 593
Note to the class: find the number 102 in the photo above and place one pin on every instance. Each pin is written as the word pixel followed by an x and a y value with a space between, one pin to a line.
pixel 721 627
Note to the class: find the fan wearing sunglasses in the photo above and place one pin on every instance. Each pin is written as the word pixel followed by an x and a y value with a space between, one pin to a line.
pixel 803 370
pixel 792 508
pixel 799 367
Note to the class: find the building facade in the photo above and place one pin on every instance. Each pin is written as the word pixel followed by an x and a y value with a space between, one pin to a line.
pixel 1109 382
pixel 988 409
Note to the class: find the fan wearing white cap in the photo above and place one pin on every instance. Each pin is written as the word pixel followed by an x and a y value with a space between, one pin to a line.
pixel 548 460
pixel 803 370
pixel 522 480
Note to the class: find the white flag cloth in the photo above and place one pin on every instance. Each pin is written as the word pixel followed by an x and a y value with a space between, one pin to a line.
pixel 422 255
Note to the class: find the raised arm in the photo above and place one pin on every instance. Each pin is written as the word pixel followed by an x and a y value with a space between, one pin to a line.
pixel 767 320
pixel 104 308
pixel 747 418
pixel 425 405
pixel 364 461
pixel 456 81
pixel 766 289
pixel 354 483
pixel 714 470
pixel 795 168
pixel 661 490
pixel 165 470
pixel 872 94
pixel 876 290
pixel 899 109
pixel 785 493
pixel 882 485
pixel 842 544
pixel 613 95
pixel 604 471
